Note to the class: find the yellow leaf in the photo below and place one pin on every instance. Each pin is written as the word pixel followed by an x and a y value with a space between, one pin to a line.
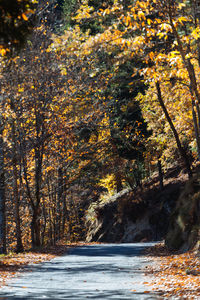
pixel 3 52
pixel 141 15
pixel 196 33
pixel 149 21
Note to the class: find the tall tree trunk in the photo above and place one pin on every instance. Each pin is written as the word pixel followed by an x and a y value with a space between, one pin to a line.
pixel 59 202
pixel 64 206
pixel 39 150
pixel 50 228
pixel 2 197
pixel 36 209
pixel 19 247
pixel 44 214
pixel 35 228
pixel 196 128
pixel 181 149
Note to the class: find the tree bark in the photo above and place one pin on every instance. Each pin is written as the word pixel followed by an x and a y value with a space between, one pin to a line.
pixel 64 206
pixel 35 228
pixel 160 173
pixel 19 247
pixel 196 128
pixel 2 197
pixel 59 202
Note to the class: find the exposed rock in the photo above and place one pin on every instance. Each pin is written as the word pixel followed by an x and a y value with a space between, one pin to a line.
pixel 138 231
pixel 184 226
pixel 131 217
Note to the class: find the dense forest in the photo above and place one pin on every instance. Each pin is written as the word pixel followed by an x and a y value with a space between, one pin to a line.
pixel 96 97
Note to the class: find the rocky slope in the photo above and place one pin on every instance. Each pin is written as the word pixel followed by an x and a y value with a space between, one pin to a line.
pixel 184 227
pixel 133 216
pixel 172 213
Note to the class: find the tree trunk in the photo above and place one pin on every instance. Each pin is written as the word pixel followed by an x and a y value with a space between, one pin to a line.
pixel 50 228
pixel 39 150
pixel 44 213
pixel 160 173
pixel 182 151
pixel 35 228
pixel 196 128
pixel 59 202
pixel 2 198
pixel 64 206
pixel 19 247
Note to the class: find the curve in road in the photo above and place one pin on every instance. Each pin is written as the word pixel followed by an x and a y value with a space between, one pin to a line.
pixel 105 271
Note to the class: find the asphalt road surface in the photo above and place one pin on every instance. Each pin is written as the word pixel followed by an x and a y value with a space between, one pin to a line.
pixel 105 271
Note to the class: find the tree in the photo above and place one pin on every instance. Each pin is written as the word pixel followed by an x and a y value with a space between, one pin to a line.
pixel 14 27
pixel 155 43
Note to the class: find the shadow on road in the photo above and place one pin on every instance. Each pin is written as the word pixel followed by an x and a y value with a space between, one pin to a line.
pixel 104 272
pixel 80 295
pixel 129 250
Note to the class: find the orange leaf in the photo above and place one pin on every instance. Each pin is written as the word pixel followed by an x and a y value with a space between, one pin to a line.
pixel 24 17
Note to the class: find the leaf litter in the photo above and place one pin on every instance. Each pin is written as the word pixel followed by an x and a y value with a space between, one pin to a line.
pixel 175 276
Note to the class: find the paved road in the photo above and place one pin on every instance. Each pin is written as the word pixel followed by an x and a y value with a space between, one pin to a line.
pixel 106 271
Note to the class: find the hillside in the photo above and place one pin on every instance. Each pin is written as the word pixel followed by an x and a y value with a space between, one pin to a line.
pixel 150 214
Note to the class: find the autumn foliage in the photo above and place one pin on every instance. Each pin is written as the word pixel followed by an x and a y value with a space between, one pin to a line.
pixel 102 100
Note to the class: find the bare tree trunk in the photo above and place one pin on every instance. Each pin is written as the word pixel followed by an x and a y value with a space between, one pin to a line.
pixel 182 151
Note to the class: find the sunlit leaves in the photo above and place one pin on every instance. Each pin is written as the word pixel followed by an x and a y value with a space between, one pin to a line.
pixel 174 274
pixel 196 33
